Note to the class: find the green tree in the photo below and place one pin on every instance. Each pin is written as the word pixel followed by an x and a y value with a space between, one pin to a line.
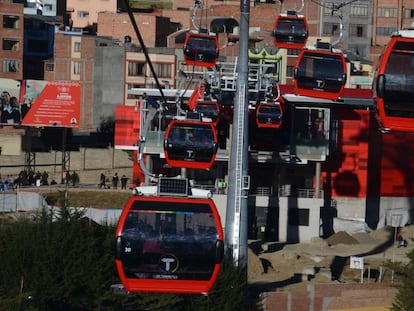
pixel 404 299
pixel 66 262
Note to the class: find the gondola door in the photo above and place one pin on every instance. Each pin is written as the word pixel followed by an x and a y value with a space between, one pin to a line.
pixel 394 86
pixel 269 115
pixel 201 49
pixel 169 245
pixel 290 31
pixel 320 74
pixel 190 144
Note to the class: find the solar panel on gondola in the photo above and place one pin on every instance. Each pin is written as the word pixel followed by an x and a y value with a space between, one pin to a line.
pixel 169 244
pixel 290 31
pixel 269 114
pixel 201 49
pixel 394 84
pixel 320 73
pixel 190 144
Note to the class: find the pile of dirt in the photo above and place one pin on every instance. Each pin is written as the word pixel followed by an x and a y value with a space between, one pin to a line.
pixel 279 266
pixel 341 237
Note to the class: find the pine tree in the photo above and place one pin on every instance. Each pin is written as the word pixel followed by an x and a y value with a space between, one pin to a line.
pixel 404 299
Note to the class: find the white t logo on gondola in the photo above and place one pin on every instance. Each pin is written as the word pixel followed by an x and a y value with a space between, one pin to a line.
pixel 168 263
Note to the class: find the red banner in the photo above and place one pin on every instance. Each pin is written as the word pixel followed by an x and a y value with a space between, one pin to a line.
pixel 126 127
pixel 47 103
pixel 127 131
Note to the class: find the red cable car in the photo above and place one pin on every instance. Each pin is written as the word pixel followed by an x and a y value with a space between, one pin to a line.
pixel 290 31
pixel 201 49
pixel 190 144
pixel 169 244
pixel 394 84
pixel 320 73
pixel 208 109
pixel 269 115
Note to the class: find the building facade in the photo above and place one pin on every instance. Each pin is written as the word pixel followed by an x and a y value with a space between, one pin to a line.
pixel 12 40
pixel 86 59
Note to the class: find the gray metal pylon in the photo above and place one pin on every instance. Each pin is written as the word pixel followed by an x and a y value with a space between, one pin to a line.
pixel 237 199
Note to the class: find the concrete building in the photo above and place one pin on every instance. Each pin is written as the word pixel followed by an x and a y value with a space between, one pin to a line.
pixel 86 59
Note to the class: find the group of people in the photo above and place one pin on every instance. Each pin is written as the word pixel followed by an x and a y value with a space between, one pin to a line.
pixel 71 179
pixel 7 183
pixel 24 178
pixel 10 109
pixel 115 180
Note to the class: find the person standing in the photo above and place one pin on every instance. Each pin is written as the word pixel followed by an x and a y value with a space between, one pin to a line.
pixel 75 179
pixel 6 108
pixel 102 181
pixel 115 179
pixel 124 181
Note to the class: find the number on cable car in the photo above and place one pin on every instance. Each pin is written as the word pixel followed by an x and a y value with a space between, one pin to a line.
pixel 201 49
pixel 290 31
pixel 269 115
pixel 320 73
pixel 394 85
pixel 190 144
pixel 208 109
pixel 169 244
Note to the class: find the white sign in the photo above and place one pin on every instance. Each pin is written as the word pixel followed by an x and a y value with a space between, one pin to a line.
pixel 357 262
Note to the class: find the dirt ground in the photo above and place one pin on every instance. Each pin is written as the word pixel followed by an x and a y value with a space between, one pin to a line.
pixel 275 266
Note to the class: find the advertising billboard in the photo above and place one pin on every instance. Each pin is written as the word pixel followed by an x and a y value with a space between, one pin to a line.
pixel 51 103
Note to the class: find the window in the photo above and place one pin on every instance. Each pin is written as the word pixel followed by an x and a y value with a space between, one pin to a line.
pixel 76 68
pixel 331 29
pixel 47 7
pixel 50 67
pixel 408 13
pixel 298 217
pixel 357 31
pixel 293 52
pixel 163 70
pixel 10 65
pixel 327 8
pixel 77 46
pixel 359 10
pixel 83 14
pixel 11 44
pixel 385 31
pixel 136 68
pixel 387 12
pixel 10 21
pixel 289 71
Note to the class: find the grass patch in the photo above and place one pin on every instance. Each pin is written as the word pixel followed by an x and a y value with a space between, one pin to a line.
pixel 87 198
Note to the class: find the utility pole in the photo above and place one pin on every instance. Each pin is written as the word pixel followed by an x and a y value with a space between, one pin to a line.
pixel 239 181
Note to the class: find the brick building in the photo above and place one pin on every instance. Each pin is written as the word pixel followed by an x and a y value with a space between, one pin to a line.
pixel 11 33
pixel 85 59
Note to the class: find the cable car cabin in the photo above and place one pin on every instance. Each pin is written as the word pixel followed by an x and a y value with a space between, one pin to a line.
pixel 169 244
pixel 290 31
pixel 269 115
pixel 320 74
pixel 208 109
pixel 190 144
pixel 394 85
pixel 201 49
